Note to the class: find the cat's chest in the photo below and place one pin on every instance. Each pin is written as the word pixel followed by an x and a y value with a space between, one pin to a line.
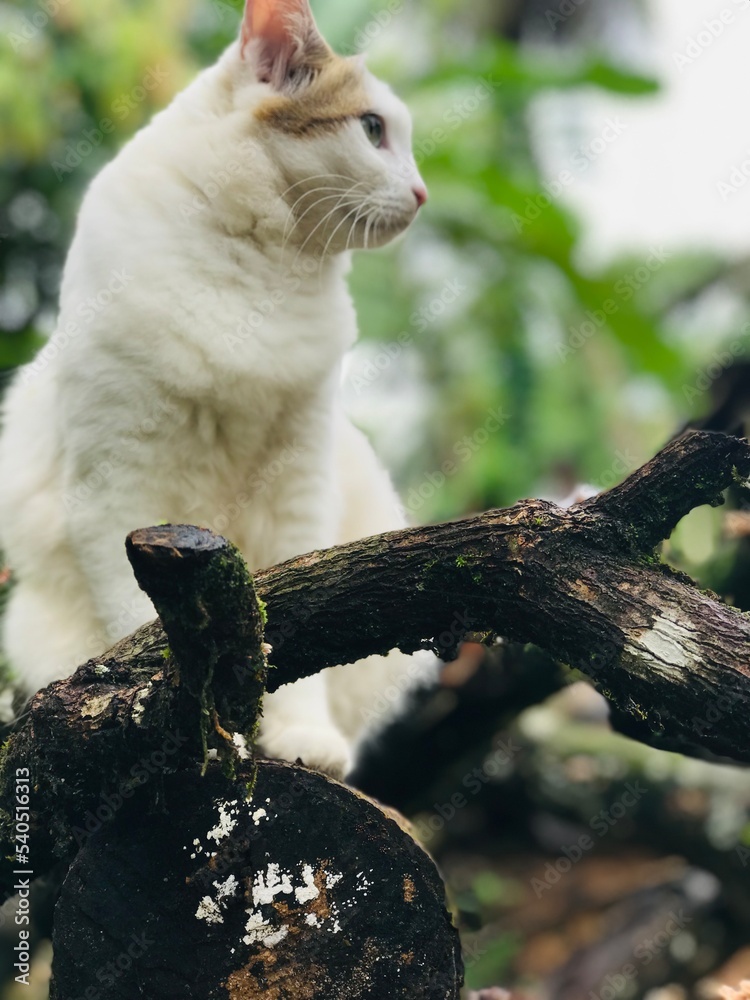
pixel 240 474
pixel 288 326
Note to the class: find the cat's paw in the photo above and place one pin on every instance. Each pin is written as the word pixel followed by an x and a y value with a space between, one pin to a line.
pixel 322 748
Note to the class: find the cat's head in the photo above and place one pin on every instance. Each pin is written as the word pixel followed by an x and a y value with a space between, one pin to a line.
pixel 338 138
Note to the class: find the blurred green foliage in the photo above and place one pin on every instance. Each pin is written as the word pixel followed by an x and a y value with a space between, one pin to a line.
pixel 494 241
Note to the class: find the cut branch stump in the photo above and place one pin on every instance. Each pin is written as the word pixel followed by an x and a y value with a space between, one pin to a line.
pixel 307 891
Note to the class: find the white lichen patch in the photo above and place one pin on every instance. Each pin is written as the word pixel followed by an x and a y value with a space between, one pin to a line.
pixel 210 911
pixel 97 705
pixel 363 883
pixel 138 704
pixel 273 883
pixel 259 930
pixel 258 815
pixel 306 886
pixel 256 927
pixel 226 888
pixel 273 939
pixel 309 890
pixel 670 644
pixel 227 821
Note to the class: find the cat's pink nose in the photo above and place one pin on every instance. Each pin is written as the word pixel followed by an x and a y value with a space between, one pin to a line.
pixel 420 193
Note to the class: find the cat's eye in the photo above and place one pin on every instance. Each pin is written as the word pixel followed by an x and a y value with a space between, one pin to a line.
pixel 374 127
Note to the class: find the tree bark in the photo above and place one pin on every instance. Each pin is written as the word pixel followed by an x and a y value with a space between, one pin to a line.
pixel 306 890
pixel 582 583
pixel 150 704
pixel 206 600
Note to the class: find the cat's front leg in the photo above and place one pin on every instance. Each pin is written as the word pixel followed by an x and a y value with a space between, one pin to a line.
pixel 97 530
pixel 297 721
pixel 297 725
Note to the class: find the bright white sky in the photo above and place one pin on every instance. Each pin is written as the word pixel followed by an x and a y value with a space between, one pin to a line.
pixel 657 181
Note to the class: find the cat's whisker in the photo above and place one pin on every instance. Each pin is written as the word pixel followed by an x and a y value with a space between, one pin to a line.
pixel 297 221
pixel 357 220
pixel 339 204
pixel 336 208
pixel 357 211
pixel 312 207
pixel 333 234
pixel 367 230
pixel 339 196
pixel 325 219
pixel 344 194
pixel 322 222
pixel 311 179
pixel 302 197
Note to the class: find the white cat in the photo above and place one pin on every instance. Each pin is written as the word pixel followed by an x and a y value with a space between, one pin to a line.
pixel 193 376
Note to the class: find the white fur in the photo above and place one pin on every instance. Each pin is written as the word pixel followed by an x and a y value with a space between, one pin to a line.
pixel 193 379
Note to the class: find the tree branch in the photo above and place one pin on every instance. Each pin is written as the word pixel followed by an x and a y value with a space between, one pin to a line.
pixel 204 594
pixel 582 583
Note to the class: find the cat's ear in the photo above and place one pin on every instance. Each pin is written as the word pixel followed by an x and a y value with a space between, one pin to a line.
pixel 282 40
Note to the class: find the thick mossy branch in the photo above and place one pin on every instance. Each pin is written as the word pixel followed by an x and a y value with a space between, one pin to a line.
pixel 581 583
pixel 362 913
pixel 148 705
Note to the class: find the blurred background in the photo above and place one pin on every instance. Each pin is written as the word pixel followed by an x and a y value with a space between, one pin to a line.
pixel 576 292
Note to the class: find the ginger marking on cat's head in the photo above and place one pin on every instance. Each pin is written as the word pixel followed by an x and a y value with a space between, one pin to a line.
pixel 335 96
